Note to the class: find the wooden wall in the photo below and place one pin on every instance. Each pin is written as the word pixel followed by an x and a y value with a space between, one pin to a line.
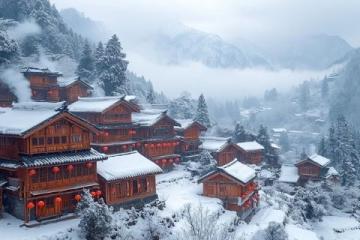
pixel 71 93
pixel 117 192
pixel 254 157
pixel 227 155
pixel 58 137
pixel 308 169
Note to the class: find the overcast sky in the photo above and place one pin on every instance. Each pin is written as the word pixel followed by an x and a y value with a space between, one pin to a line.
pixel 254 20
pixel 259 21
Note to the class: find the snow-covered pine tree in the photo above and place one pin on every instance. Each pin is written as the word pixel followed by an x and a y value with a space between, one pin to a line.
pixel 284 142
pixel 98 55
pixel 202 114
pixel 96 221
pixel 304 96
pixel 275 231
pixel 264 139
pixel 182 107
pixel 240 134
pixel 113 73
pixel 150 97
pixel 9 50
pixel 322 147
pixel 86 68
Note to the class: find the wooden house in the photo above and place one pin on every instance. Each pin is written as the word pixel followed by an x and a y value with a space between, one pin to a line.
pixel 72 89
pixel 233 183
pixel 52 87
pixel 156 132
pixel 128 179
pixel 222 149
pixel 43 84
pixel 190 132
pixel 315 168
pixel 250 152
pixel 113 117
pixel 46 159
pixel 7 98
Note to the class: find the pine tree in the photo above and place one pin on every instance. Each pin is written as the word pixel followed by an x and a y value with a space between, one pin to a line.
pixel 324 88
pixel 202 114
pixel 240 134
pixel 284 142
pixel 150 97
pixel 182 107
pixel 264 139
pixel 9 50
pixel 96 220
pixel 98 57
pixel 304 97
pixel 86 68
pixel 322 147
pixel 113 73
pixel 275 231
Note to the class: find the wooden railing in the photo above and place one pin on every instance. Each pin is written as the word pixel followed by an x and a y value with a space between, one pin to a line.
pixel 62 182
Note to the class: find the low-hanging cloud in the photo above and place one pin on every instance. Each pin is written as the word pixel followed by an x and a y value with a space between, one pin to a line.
pixel 222 84
pixel 17 84
pixel 24 29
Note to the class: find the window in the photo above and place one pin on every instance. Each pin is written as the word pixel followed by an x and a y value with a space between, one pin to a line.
pixel 144 184
pixel 135 186
pixel 49 140
pixel 63 139
pixel 41 141
pixel 34 141
pixel 43 174
pixel 76 138
pixel 56 140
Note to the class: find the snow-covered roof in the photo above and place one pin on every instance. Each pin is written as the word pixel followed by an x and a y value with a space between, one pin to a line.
pixel 93 104
pixel 63 82
pixel 126 165
pixel 238 171
pixel 289 174
pixel 322 161
pixel 331 172
pixel 185 123
pixel 250 146
pixel 129 98
pixel 318 159
pixel 148 117
pixel 214 144
pixel 40 70
pixel 24 116
pixel 275 146
pixel 279 130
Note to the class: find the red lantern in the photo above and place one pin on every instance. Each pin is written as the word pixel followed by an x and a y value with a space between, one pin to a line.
pixel 93 194
pixel 124 147
pixel 41 204
pixel 30 205
pixel 174 144
pixel 164 161
pixel 134 131
pixel 171 160
pixel 55 170
pixel 146 144
pixel 177 143
pixel 70 168
pixel 138 144
pixel 152 145
pixel 105 149
pixel 32 172
pixel 77 197
pixel 89 164
pixel 58 200
pixel 158 145
pixel 98 193
pixel 106 134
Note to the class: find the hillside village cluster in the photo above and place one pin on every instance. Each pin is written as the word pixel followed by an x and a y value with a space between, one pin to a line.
pixel 65 141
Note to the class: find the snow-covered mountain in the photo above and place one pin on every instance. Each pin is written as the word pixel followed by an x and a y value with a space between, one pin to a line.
pixel 83 25
pixel 189 44
pixel 311 52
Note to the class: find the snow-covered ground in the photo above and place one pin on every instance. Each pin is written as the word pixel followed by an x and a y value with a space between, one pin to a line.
pixel 178 188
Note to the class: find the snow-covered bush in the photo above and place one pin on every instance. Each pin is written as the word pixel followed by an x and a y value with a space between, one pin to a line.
pixel 200 224
pixel 274 231
pixel 202 165
pixel 155 227
pixel 309 203
pixel 95 219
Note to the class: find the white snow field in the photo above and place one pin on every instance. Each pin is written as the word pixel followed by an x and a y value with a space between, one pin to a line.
pixel 178 188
